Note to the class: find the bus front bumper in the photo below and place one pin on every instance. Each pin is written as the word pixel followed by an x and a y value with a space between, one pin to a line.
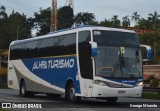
pixel 105 91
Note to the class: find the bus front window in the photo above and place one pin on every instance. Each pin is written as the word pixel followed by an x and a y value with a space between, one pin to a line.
pixel 118 57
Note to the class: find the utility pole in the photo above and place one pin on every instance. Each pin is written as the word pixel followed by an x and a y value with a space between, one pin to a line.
pixel 53 16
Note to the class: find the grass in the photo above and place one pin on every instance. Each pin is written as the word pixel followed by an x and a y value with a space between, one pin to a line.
pixel 1 109
pixel 151 95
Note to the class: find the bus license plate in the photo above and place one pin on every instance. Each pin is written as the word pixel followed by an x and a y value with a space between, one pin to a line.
pixel 121 92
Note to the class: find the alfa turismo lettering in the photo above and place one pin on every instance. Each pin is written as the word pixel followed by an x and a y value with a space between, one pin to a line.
pixel 50 64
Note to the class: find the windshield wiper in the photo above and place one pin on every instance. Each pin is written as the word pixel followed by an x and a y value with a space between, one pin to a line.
pixel 123 67
pixel 121 61
pixel 137 56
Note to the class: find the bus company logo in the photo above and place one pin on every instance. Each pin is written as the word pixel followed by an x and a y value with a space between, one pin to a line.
pixel 6 105
pixel 50 64
pixel 97 32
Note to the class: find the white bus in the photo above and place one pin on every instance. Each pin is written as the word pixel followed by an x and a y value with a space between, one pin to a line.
pixel 89 61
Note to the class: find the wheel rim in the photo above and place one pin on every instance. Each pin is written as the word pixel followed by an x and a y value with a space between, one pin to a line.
pixel 72 93
pixel 23 90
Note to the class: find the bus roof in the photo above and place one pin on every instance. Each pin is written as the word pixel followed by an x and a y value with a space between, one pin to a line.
pixel 72 30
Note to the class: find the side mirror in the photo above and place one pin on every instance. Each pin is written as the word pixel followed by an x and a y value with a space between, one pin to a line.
pixel 94 48
pixel 148 52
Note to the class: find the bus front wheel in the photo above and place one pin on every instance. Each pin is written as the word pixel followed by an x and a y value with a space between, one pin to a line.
pixel 70 93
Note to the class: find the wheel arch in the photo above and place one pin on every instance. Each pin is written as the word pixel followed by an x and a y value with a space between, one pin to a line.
pixel 67 91
pixel 20 82
pixel 69 81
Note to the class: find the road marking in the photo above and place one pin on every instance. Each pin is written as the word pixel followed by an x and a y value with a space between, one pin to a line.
pixel 12 98
pixel 71 105
pixel 35 100
pixel 82 109
pixel 79 108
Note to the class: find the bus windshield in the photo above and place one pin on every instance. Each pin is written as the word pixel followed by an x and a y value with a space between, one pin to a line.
pixel 118 55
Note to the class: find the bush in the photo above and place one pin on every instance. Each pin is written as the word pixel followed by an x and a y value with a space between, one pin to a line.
pixel 154 83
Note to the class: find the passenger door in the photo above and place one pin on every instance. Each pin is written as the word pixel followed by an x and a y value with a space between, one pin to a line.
pixel 85 63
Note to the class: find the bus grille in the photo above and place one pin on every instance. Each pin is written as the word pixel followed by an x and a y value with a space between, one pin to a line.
pixel 115 85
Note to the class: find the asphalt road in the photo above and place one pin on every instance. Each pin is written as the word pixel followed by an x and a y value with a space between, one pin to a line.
pixel 59 104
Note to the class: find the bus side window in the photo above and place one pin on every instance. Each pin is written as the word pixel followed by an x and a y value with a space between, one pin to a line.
pixel 17 51
pixel 44 47
pixel 12 53
pixel 85 60
pixel 32 49
pixel 68 44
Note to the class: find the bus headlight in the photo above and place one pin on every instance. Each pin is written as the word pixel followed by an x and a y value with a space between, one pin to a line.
pixel 101 83
pixel 139 84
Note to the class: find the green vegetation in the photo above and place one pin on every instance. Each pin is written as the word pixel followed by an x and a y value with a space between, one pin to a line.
pixel 151 95
pixel 84 18
pixel 4 109
pixel 65 17
pixel 42 21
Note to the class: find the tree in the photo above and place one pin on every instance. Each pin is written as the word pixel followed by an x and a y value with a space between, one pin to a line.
pixel 126 22
pixel 135 17
pixel 84 18
pixel 154 18
pixel 96 23
pixel 3 21
pixel 2 8
pixel 42 21
pixel 78 19
pixel 3 14
pixel 65 17
pixel 144 24
pixel 115 21
pixel 106 23
pixel 15 26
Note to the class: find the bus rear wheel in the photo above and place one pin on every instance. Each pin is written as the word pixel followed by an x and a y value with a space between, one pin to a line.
pixel 70 93
pixel 111 100
pixel 22 91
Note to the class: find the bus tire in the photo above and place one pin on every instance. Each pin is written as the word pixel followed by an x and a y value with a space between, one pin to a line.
pixel 111 100
pixel 22 91
pixel 70 93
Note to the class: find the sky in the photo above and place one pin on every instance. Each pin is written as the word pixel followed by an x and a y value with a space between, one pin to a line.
pixel 103 9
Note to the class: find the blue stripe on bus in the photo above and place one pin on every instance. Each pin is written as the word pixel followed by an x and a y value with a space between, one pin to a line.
pixel 128 81
pixel 55 70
